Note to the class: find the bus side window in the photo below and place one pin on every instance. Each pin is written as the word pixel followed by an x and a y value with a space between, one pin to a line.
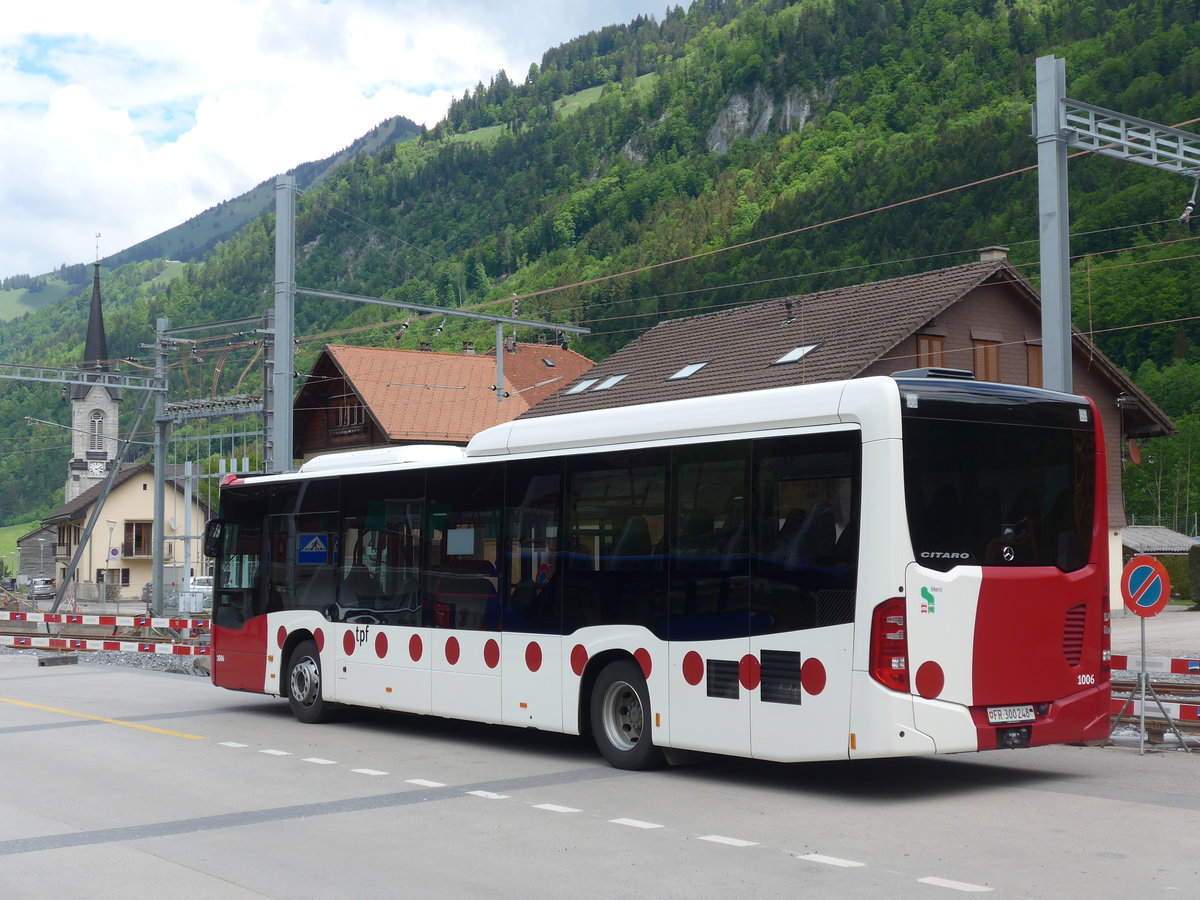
pixel 463 547
pixel 533 553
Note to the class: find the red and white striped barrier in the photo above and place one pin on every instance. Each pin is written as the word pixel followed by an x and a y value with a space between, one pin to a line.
pixel 114 621
pixel 44 642
pixel 1178 712
pixel 1162 664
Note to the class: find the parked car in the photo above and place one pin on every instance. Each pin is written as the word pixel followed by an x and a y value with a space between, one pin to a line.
pixel 42 589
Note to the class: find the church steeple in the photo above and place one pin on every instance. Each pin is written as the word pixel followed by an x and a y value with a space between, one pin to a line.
pixel 95 347
pixel 95 350
pixel 94 409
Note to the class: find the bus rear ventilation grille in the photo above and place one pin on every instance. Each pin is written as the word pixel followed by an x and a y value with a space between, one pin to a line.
pixel 1073 630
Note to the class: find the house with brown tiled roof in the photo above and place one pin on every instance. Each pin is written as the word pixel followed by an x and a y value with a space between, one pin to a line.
pixel 360 397
pixel 983 317
pixel 120 552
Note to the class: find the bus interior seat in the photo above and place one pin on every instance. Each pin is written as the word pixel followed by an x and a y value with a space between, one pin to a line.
pixel 816 537
pixel 632 548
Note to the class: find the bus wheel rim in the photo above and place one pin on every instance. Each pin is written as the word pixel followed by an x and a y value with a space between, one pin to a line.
pixel 623 716
pixel 306 681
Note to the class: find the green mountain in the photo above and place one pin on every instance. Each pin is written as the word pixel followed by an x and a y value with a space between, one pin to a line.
pixel 751 139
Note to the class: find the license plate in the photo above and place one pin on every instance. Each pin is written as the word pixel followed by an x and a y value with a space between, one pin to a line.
pixel 1002 715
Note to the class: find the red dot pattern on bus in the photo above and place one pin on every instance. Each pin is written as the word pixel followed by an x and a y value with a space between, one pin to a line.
pixel 579 659
pixel 348 643
pixel 453 651
pixel 643 659
pixel 491 653
pixel 415 649
pixel 812 676
pixel 281 636
pixel 930 680
pixel 381 646
pixel 749 671
pixel 319 637
pixel 693 668
pixel 533 656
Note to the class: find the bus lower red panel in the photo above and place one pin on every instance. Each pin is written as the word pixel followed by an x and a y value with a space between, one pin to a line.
pixel 1038 642
pixel 1037 634
pixel 239 657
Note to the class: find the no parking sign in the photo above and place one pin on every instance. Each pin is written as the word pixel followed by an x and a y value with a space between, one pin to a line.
pixel 1145 586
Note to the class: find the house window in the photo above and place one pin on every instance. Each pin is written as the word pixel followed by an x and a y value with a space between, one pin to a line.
pixel 96 430
pixel 610 381
pixel 687 371
pixel 987 360
pixel 350 415
pixel 138 539
pixel 113 576
pixel 1033 361
pixel 931 349
pixel 795 354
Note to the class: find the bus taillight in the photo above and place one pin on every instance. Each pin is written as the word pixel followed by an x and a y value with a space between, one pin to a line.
pixel 889 645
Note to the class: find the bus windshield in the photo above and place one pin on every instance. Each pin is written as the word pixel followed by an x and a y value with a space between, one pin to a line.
pixel 997 484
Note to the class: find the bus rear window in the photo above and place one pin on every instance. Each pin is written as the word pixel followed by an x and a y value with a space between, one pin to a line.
pixel 989 494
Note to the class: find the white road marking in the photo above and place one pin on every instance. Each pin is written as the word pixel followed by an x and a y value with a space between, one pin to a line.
pixel 368 772
pixel 955 885
pixel 233 744
pixel 488 795
pixel 732 842
pixel 275 752
pixel 319 761
pixel 551 807
pixel 832 861
pixel 421 782
pixel 634 823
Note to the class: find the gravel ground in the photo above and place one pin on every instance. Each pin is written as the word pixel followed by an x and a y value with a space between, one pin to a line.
pixel 175 665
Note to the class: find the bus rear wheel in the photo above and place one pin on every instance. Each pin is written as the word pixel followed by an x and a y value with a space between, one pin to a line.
pixel 620 714
pixel 304 685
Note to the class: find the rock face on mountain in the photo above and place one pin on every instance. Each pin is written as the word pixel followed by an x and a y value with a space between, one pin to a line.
pixel 758 113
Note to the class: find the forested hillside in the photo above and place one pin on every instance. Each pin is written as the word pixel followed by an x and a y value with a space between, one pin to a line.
pixel 770 128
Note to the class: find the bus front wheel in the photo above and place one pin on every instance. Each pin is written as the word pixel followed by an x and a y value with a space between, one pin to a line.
pixel 620 714
pixel 304 685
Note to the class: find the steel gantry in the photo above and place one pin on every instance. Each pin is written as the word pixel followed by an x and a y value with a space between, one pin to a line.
pixel 1059 122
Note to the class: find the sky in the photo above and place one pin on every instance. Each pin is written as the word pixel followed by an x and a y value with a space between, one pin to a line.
pixel 128 117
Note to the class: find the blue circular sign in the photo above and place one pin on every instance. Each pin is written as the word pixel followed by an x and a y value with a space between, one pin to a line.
pixel 1145 586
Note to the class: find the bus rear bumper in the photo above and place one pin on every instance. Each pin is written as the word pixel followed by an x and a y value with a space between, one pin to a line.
pixel 1081 717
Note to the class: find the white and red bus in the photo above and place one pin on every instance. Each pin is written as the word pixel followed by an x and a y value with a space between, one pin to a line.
pixel 869 568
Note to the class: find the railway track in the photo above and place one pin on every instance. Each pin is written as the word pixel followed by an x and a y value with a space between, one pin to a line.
pixel 1181 699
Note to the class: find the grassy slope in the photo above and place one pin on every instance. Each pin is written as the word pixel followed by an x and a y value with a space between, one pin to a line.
pixel 14 304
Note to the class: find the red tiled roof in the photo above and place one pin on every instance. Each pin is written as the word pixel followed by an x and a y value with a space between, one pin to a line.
pixel 422 396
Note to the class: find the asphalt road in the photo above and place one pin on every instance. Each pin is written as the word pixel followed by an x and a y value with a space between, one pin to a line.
pixel 129 783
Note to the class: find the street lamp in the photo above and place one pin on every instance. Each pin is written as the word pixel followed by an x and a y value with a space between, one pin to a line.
pixel 112 523
pixel 42 557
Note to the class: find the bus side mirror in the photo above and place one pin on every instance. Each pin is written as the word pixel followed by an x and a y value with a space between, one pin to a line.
pixel 214 530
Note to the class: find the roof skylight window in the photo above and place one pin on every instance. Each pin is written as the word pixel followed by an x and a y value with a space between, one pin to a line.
pixel 610 381
pixel 582 386
pixel 795 355
pixel 687 371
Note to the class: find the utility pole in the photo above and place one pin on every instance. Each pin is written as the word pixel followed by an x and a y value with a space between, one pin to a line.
pixel 161 421
pixel 1053 224
pixel 279 440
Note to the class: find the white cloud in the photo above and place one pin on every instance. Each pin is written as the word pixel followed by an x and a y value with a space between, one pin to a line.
pixel 129 117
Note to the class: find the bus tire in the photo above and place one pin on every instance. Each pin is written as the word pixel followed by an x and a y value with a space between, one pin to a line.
pixel 304 685
pixel 620 715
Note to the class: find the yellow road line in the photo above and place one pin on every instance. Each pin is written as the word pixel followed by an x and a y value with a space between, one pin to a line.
pixel 79 715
